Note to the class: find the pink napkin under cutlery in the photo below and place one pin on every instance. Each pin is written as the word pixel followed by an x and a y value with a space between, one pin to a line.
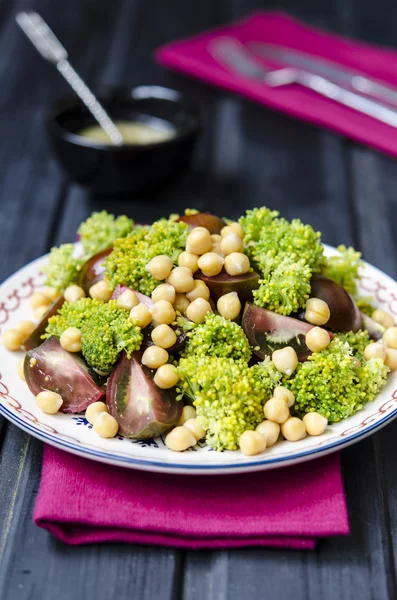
pixel 194 57
pixel 81 501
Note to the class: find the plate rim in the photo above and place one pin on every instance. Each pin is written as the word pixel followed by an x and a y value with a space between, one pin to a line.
pixel 157 465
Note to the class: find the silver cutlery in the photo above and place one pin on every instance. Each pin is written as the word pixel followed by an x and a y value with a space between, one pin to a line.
pixel 51 49
pixel 318 66
pixel 234 56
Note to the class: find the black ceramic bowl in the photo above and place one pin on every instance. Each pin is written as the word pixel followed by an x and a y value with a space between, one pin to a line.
pixel 129 169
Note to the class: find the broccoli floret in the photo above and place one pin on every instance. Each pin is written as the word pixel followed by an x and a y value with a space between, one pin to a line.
pixel 101 230
pixel 357 341
pixel 344 268
pixel 72 314
pixel 286 288
pixel 227 394
pixel 331 384
pixel 105 328
pixel 63 267
pixel 106 333
pixel 126 263
pixel 285 254
pixel 217 337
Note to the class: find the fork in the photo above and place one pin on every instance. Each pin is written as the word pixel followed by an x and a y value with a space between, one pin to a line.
pixel 232 54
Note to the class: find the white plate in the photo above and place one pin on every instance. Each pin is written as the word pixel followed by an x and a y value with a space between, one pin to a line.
pixel 72 433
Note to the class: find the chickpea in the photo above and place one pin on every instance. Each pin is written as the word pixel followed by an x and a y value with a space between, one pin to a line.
pixel 231 243
pixel 251 443
pixel 179 439
pixel 391 359
pixel 40 312
pixel 73 293
pixel 12 339
pixel 26 328
pixel 200 290
pixel 315 423
pixel 317 311
pixel 282 392
pixel 188 412
pixel 293 429
pixel 270 430
pixel 356 362
pixel 166 377
pixel 164 291
pixel 285 360
pixel 375 350
pixel 163 312
pixel 317 339
pixel 195 428
pixel 383 317
pixel 233 228
pixel 105 425
pixel 128 299
pixel 229 306
pixel 237 263
pixel 154 357
pixel 21 369
pixel 189 260
pixel 197 310
pixel 217 249
pixel 38 299
pixel 70 339
pixel 276 409
pixel 159 267
pixel 199 241
pixel 211 264
pixel 216 238
pixel 49 402
pixel 141 315
pixel 101 291
pixel 163 336
pixel 390 337
pixel 94 410
pixel 182 279
pixel 51 293
pixel 181 303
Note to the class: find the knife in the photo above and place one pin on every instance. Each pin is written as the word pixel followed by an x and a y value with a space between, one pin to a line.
pixel 334 72
pixel 238 59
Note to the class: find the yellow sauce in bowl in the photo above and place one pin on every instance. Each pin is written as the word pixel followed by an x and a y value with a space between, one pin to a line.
pixel 133 132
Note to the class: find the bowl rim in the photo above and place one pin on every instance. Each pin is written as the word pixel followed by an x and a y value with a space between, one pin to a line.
pixel 139 92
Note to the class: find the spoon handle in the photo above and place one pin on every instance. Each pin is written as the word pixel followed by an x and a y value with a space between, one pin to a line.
pixel 93 105
pixel 51 49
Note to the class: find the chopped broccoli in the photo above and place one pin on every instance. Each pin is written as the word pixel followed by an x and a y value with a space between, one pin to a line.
pixel 63 267
pixel 228 396
pixel 105 328
pixel 217 337
pixel 331 384
pixel 357 341
pixel 343 268
pixel 101 230
pixel 286 288
pixel 285 254
pixel 126 263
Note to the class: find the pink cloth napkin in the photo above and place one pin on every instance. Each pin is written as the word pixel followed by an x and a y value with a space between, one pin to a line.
pixel 191 56
pixel 81 501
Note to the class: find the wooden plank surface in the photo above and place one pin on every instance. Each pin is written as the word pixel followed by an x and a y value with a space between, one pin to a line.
pixel 247 156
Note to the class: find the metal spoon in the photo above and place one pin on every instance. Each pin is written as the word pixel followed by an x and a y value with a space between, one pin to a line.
pixel 52 50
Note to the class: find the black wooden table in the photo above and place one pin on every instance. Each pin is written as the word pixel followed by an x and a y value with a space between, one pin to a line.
pixel 247 156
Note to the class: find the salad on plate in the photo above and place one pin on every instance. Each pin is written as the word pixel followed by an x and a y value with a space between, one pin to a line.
pixel 240 333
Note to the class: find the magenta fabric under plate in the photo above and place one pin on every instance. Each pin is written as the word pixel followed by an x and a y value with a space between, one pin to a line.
pixel 191 56
pixel 82 501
